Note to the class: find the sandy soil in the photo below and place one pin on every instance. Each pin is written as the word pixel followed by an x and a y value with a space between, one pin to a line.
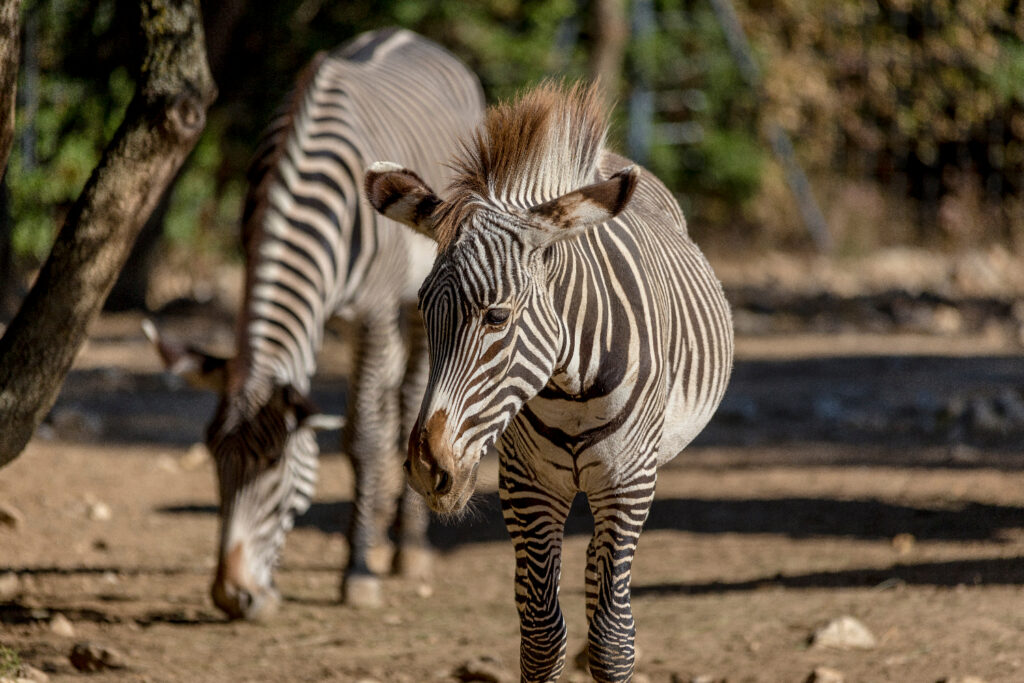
pixel 788 513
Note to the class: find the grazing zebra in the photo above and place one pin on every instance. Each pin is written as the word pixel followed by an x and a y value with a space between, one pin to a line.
pixel 573 323
pixel 314 249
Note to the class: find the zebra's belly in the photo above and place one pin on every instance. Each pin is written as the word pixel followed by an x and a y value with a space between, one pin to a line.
pixel 684 420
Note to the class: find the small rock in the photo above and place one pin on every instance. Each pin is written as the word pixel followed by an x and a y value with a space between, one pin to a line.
pixel 30 673
pixel 87 656
pixel 962 679
pixel 9 585
pixel 367 680
pixel 641 678
pixel 74 424
pixel 166 463
pixel 10 516
pixel 62 626
pixel 703 678
pixel 903 544
pixel 488 669
pixel 195 457
pixel 99 511
pixel 844 633
pixel 823 674
pixel 425 590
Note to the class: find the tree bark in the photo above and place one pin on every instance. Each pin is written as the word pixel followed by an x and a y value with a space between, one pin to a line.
pixel 9 45
pixel 161 125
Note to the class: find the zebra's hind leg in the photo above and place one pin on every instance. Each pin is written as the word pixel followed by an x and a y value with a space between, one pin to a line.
pixel 370 435
pixel 535 518
pixel 413 558
pixel 619 517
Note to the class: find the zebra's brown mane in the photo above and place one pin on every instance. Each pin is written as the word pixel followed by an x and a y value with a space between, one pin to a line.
pixel 540 146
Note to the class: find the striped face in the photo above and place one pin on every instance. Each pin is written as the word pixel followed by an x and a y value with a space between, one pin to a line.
pixel 492 330
pixel 266 470
pixel 493 337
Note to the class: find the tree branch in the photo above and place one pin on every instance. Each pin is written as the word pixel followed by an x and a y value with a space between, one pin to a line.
pixel 9 45
pixel 161 126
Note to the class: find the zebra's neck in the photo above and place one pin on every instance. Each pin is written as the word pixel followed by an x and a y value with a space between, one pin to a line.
pixel 302 227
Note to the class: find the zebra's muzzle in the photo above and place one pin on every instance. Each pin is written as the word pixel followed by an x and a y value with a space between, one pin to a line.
pixel 433 469
pixel 236 595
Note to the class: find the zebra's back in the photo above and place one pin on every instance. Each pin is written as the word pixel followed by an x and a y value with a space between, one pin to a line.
pixel 387 94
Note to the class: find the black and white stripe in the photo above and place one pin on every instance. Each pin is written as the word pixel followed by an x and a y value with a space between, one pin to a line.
pixel 588 342
pixel 315 249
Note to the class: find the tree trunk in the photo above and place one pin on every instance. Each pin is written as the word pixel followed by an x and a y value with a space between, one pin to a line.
pixel 132 284
pixel 160 127
pixel 9 34
pixel 8 283
pixel 610 32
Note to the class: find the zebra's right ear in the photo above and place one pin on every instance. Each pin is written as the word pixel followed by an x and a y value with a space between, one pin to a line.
pixel 199 369
pixel 401 195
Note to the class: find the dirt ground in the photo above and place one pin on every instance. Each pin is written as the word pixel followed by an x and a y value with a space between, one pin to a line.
pixel 875 474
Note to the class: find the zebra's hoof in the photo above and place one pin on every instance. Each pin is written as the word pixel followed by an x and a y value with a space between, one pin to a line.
pixel 414 563
pixel 362 590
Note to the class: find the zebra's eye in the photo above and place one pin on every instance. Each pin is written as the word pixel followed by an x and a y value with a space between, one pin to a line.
pixel 496 317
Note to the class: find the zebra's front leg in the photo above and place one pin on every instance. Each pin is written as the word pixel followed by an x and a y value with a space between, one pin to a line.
pixel 371 437
pixel 619 517
pixel 535 519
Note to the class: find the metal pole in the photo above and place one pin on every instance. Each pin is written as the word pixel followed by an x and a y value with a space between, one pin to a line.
pixel 782 146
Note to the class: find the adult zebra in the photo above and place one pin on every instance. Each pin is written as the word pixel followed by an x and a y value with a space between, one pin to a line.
pixel 571 321
pixel 314 250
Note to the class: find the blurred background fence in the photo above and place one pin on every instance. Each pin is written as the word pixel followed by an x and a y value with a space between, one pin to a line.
pixel 905 117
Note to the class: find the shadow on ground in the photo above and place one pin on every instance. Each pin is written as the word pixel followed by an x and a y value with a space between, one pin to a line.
pixel 861 400
pixel 976 572
pixel 792 517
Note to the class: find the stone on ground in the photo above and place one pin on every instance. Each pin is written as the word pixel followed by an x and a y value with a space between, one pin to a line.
pixel 9 585
pixel 62 626
pixel 823 674
pixel 89 657
pixel 10 516
pixel 486 668
pixel 844 633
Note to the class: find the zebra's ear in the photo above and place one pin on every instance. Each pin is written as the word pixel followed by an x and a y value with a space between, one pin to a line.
pixel 306 414
pixel 401 195
pixel 201 370
pixel 594 204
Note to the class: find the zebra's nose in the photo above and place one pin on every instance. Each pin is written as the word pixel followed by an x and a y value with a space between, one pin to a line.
pixel 235 594
pixel 442 482
pixel 231 599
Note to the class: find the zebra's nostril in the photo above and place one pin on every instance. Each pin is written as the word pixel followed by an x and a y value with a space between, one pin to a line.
pixel 442 483
pixel 244 599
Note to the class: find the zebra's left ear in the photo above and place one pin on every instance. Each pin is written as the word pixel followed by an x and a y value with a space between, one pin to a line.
pixel 594 204
pixel 401 195
pixel 306 414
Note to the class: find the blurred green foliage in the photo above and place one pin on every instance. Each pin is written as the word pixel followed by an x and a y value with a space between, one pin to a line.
pixel 10 662
pixel 911 95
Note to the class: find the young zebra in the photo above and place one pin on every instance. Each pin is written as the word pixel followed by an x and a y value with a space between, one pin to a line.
pixel 573 323
pixel 314 250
